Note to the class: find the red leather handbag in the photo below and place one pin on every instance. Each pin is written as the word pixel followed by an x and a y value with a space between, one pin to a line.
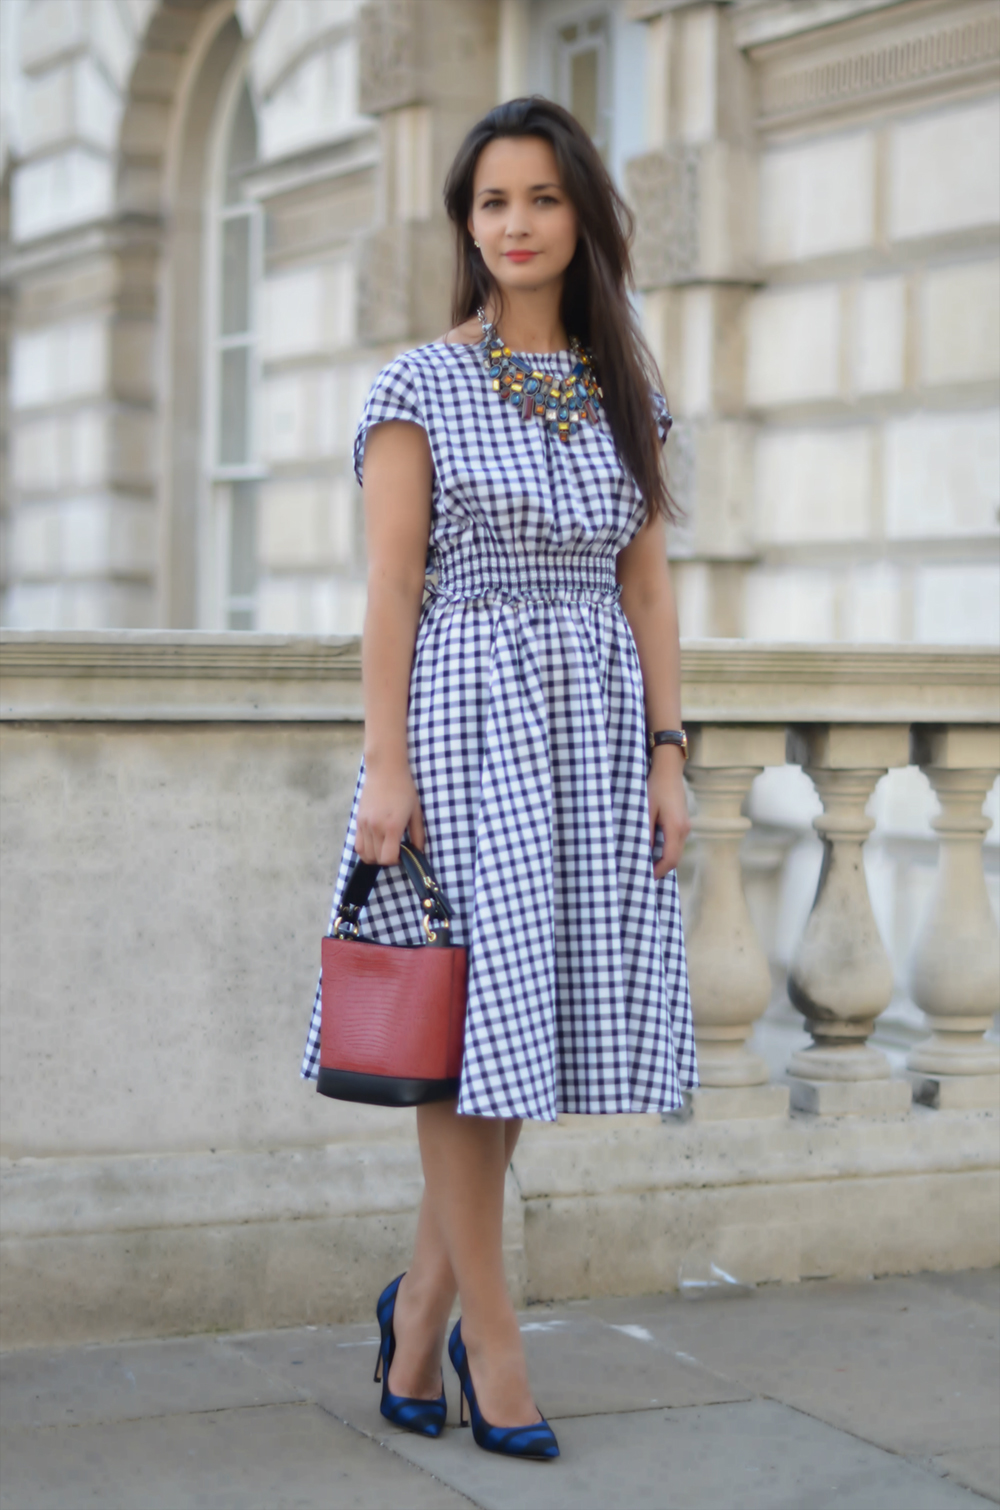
pixel 393 1015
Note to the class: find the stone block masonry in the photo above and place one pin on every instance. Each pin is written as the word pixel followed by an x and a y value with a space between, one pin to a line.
pixel 170 819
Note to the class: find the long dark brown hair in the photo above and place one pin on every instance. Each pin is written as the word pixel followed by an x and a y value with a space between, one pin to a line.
pixel 595 304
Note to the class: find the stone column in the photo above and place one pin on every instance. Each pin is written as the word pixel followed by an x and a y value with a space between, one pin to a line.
pixel 841 978
pixel 427 69
pixel 693 189
pixel 730 975
pixel 955 970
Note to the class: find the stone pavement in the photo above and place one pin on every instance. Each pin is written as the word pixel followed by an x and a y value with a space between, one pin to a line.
pixel 820 1396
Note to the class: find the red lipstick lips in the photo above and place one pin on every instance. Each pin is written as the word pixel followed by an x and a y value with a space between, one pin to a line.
pixel 520 256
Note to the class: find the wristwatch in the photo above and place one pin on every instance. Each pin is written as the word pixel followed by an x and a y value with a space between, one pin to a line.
pixel 669 737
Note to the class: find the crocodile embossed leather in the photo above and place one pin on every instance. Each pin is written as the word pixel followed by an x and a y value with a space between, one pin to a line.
pixel 393 1016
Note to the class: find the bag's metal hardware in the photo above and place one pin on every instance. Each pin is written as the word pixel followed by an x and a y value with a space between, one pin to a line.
pixel 427 920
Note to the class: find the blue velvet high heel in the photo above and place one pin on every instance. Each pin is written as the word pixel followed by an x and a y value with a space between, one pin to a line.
pixel 534 1441
pixel 424 1416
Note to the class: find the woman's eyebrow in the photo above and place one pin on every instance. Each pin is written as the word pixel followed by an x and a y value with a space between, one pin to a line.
pixel 534 188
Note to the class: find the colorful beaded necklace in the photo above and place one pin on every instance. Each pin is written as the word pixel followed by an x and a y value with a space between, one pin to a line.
pixel 557 401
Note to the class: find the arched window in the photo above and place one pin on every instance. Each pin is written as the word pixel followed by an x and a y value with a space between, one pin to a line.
pixel 234 466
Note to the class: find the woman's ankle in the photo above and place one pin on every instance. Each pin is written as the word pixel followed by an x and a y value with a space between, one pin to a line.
pixel 495 1331
pixel 426 1303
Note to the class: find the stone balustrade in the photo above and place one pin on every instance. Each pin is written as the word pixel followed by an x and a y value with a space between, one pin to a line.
pixel 173 806
pixel 885 709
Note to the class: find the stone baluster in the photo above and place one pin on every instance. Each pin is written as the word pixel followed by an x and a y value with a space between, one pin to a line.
pixel 841 977
pixel 729 972
pixel 955 969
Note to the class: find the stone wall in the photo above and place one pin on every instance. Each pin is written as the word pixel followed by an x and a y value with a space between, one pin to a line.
pixel 819 215
pixel 171 817
pixel 817 250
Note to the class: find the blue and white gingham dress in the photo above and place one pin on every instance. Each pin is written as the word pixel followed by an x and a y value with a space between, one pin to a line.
pixel 527 747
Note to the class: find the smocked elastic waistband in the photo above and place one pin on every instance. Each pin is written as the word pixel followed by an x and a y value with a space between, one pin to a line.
pixel 561 580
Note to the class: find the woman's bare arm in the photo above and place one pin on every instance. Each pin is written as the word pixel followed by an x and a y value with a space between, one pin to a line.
pixel 397 498
pixel 648 603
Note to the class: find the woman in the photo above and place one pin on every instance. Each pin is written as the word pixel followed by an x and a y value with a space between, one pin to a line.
pixel 506 717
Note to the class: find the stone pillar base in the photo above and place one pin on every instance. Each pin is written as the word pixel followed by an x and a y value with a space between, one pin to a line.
pixel 719 1103
pixel 956 1092
pixel 846 1098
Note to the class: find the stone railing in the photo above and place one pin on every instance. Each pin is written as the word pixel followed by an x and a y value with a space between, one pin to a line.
pixel 173 806
pixel 847 717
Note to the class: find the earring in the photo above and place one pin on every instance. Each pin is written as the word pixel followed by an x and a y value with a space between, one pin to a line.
pixel 475 243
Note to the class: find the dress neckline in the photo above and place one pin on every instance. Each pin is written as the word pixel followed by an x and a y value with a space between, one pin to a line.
pixel 526 356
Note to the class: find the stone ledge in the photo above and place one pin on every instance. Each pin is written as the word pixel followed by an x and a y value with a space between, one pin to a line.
pixel 645 1154
pixel 202 677
pixel 73 1196
pixel 143 1245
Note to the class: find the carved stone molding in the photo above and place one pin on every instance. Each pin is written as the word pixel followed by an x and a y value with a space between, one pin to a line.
pixel 384 285
pixel 388 55
pixel 903 54
pixel 404 284
pixel 664 188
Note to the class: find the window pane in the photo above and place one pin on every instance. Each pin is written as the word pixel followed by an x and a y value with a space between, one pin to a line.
pixel 242 147
pixel 235 276
pixel 233 428
pixel 240 618
pixel 583 71
pixel 243 540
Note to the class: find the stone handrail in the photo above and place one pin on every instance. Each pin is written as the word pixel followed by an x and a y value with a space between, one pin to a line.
pixel 846 714
pixel 154 674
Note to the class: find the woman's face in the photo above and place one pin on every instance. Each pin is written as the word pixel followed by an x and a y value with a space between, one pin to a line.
pixel 522 218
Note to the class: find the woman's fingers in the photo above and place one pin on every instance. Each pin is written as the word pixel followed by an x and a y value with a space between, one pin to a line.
pixel 387 810
pixel 675 829
pixel 416 827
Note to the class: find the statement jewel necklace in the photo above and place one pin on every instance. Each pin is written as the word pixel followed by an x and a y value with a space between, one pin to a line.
pixel 557 401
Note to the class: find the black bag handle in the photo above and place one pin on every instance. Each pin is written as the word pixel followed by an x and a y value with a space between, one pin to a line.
pixel 436 911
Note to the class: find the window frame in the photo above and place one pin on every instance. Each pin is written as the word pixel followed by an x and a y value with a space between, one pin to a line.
pixel 217 600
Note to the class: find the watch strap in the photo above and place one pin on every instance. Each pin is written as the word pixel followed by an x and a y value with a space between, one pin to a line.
pixel 670 737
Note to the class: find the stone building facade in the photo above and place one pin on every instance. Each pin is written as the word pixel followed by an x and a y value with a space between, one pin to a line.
pixel 221 217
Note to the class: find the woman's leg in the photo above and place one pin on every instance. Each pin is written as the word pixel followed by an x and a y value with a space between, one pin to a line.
pixel 465 1161
pixel 426 1295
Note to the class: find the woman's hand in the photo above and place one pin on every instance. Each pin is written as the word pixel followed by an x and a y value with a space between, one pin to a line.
pixel 389 804
pixel 668 808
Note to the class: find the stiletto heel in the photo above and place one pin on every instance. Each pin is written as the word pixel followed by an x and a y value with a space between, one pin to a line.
pixel 424 1416
pixel 535 1441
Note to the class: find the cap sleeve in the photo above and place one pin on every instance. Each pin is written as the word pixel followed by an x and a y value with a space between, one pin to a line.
pixel 664 419
pixel 393 395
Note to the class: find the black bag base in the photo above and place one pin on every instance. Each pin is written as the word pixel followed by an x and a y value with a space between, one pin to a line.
pixel 383 1090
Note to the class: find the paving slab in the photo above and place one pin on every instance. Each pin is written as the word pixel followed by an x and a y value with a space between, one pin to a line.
pixel 819 1396
pixel 909 1366
pixel 277 1456
pixel 581 1365
pixel 977 1468
pixel 125 1381
pixel 981 1286
pixel 578 1364
pixel 756 1455
pixel 333 1364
